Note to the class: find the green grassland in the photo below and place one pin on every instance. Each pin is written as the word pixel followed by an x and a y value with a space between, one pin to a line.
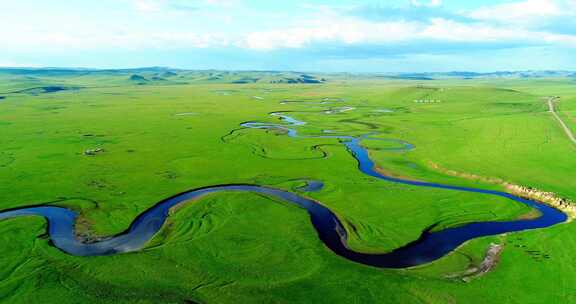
pixel 167 134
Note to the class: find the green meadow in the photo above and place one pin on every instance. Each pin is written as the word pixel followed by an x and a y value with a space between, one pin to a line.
pixel 166 132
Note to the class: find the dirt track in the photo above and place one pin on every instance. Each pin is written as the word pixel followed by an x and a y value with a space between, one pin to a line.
pixel 567 130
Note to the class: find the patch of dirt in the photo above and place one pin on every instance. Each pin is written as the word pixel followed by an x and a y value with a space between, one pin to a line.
pixel 552 199
pixel 490 261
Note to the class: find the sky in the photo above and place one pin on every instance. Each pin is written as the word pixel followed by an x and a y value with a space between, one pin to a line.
pixel 302 35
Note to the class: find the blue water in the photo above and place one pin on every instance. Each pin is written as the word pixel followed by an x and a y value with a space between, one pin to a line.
pixel 429 247
pixel 311 186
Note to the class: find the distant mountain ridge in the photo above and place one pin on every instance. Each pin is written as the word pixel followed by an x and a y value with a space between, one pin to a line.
pixel 473 75
pixel 147 75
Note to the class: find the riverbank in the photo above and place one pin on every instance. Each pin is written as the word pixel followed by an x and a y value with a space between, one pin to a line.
pixel 551 199
pixel 489 262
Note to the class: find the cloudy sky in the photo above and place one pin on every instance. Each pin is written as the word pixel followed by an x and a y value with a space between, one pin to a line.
pixel 307 35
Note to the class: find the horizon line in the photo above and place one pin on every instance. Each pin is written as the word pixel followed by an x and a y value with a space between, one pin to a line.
pixel 80 68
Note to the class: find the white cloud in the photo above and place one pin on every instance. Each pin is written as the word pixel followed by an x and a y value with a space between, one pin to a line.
pixel 431 3
pixel 344 31
pixel 51 41
pixel 442 29
pixel 221 2
pixel 348 31
pixel 148 6
pixel 524 12
pixel 155 6
pixel 355 31
pixel 322 26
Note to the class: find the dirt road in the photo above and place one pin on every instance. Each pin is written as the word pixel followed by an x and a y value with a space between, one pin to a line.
pixel 552 110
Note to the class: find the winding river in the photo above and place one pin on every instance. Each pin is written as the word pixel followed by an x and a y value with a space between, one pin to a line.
pixel 429 247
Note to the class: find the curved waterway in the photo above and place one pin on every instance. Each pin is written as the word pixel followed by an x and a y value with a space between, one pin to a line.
pixel 429 247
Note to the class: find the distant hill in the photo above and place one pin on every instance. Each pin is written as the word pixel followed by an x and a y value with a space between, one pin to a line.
pixel 304 78
pixel 474 75
pixel 34 78
pixel 138 79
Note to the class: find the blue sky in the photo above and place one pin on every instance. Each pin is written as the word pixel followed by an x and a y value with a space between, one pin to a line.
pixel 306 35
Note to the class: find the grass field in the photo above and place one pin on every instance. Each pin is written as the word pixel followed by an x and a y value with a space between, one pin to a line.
pixel 164 136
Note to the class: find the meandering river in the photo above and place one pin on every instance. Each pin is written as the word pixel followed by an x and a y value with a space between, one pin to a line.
pixel 429 247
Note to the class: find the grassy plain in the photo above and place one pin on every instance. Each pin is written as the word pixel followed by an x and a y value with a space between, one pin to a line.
pixel 165 137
